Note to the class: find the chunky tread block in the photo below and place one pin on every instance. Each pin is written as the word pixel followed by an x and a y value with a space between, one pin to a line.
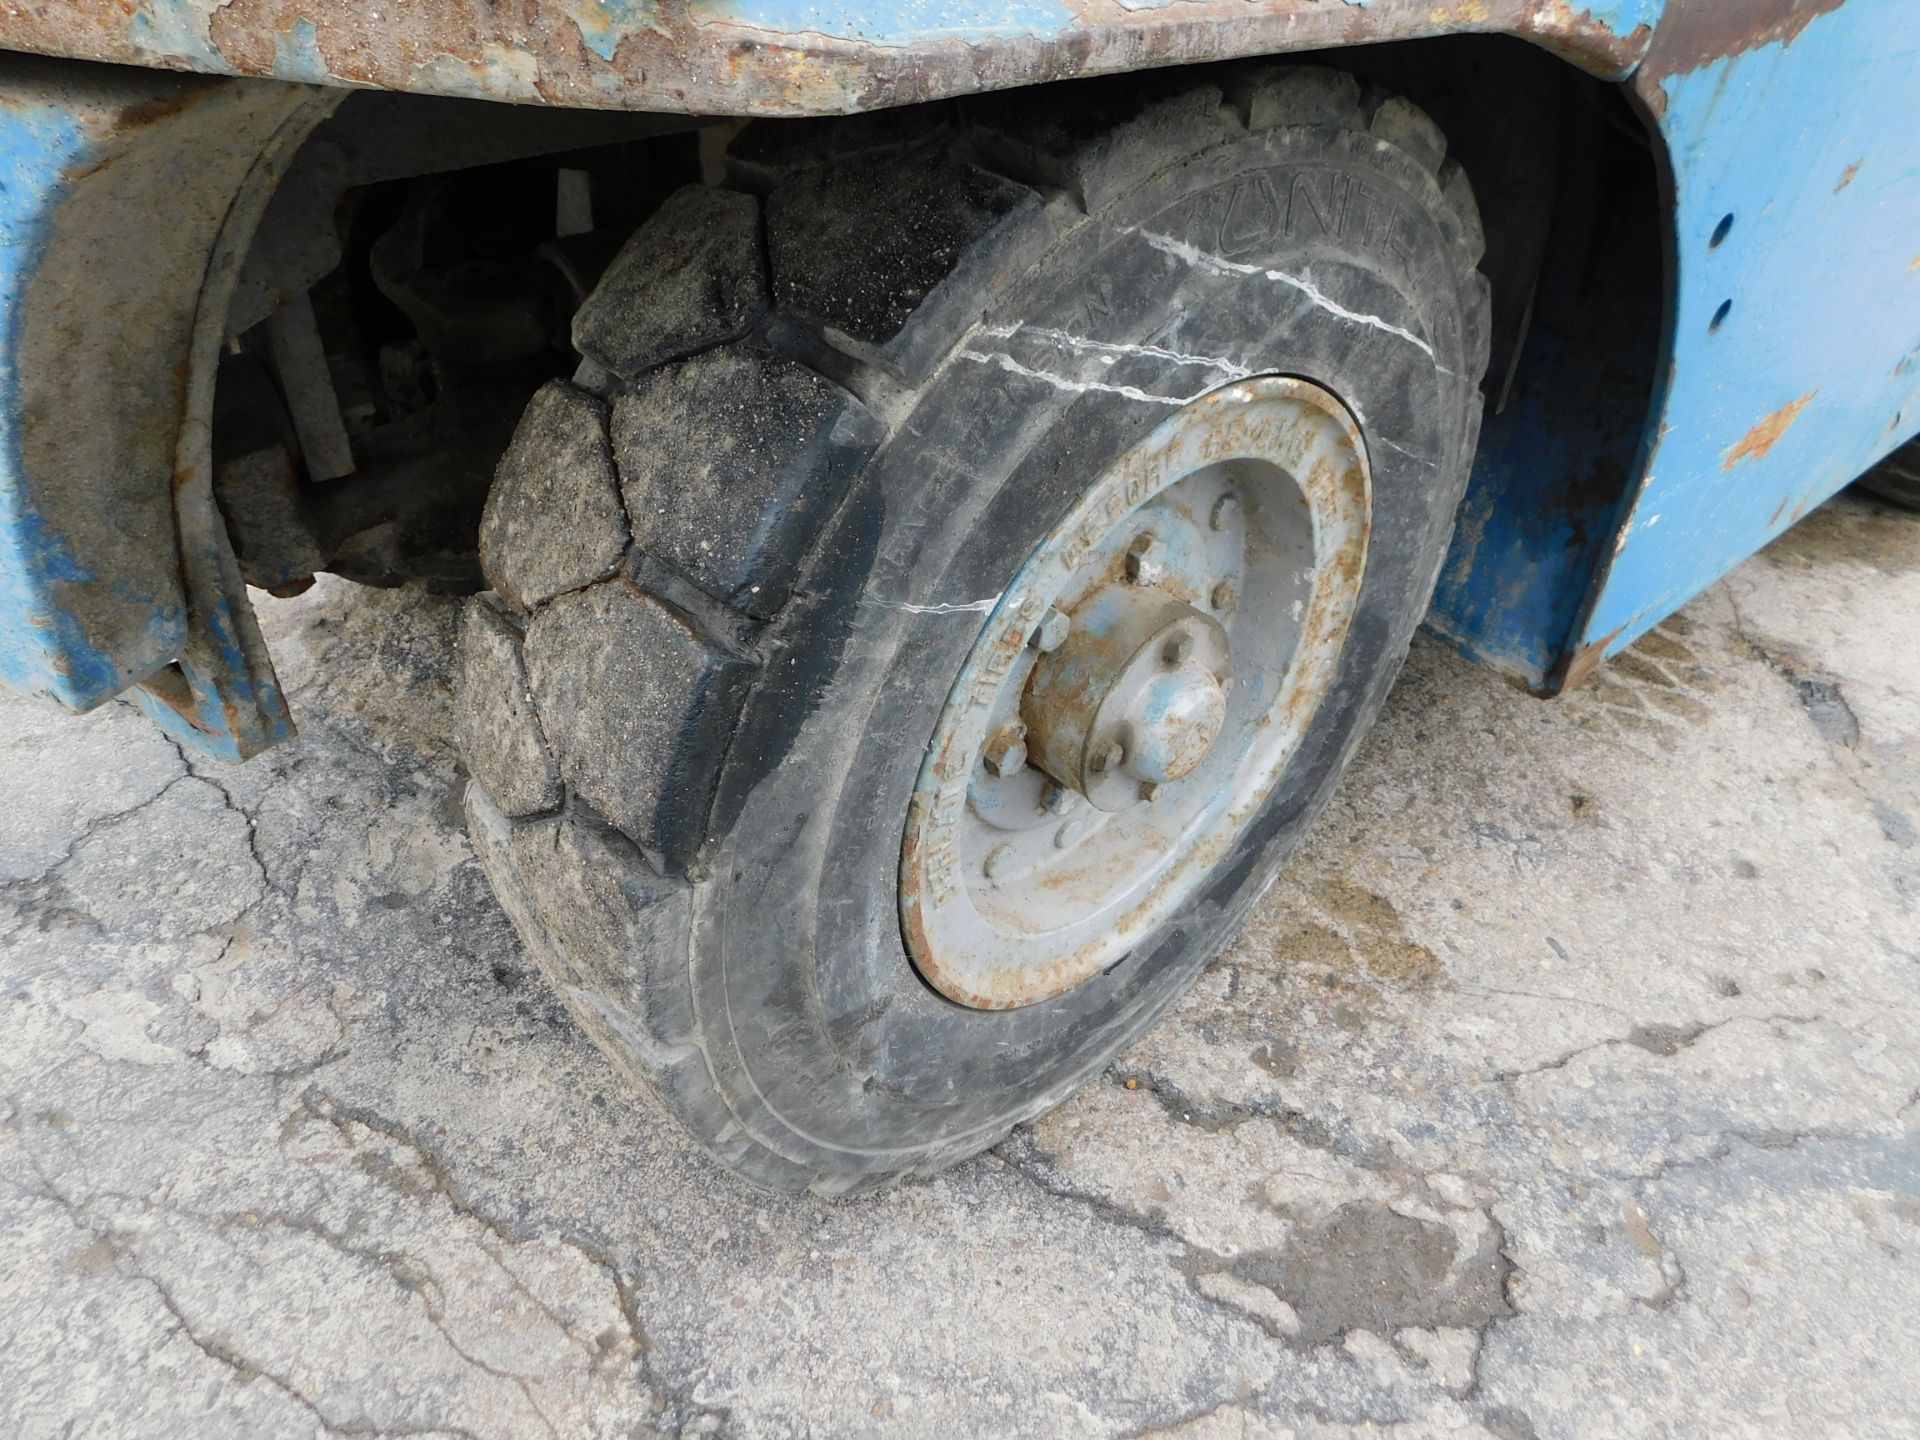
pixel 553 520
pixel 693 276
pixel 731 462
pixel 619 923
pixel 741 469
pixel 638 708
pixel 1457 191
pixel 521 861
pixel 761 156
pixel 862 249
pixel 1404 124
pixel 1096 150
pixel 1295 95
pixel 499 733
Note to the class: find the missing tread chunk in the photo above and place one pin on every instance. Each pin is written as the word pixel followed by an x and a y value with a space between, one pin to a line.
pixel 690 278
pixel 730 464
pixel 879 254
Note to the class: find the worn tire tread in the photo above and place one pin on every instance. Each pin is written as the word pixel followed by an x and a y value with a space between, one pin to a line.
pixel 566 877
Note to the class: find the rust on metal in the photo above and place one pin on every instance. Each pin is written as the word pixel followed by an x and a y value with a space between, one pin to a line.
pixel 1695 33
pixel 1008 898
pixel 731 56
pixel 1846 177
pixel 1755 444
pixel 1587 659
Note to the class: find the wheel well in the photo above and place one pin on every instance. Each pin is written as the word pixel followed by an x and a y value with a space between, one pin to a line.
pixel 1572 196
pixel 1563 170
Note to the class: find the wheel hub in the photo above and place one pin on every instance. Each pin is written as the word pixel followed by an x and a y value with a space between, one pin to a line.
pixel 1133 699
pixel 1136 694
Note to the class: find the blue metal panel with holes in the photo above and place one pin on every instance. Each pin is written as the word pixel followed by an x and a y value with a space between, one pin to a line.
pixel 1794 350
pixel 1785 363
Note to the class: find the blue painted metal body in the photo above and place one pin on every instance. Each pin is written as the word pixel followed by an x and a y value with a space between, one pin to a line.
pixel 125 199
pixel 73 626
pixel 1788 340
pixel 1788 355
pixel 1793 349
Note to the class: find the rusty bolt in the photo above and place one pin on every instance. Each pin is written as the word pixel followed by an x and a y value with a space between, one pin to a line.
pixel 1150 790
pixel 1147 559
pixel 999 861
pixel 1224 511
pixel 1178 647
pixel 1109 756
pixel 1222 596
pixel 1057 798
pixel 1052 632
pixel 1006 751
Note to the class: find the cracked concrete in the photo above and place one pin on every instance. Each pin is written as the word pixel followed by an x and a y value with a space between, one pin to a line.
pixel 1568 1085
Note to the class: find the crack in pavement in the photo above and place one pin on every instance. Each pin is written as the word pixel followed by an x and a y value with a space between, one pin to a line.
pixel 121 1244
pixel 1823 697
pixel 339 1114
pixel 1654 1037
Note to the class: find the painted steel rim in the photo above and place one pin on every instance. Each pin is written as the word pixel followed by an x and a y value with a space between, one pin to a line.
pixel 1136 694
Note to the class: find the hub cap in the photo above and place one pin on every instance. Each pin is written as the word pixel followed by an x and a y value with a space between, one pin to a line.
pixel 1135 694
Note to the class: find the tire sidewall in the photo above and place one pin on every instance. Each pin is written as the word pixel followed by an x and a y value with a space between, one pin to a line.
pixel 819 1033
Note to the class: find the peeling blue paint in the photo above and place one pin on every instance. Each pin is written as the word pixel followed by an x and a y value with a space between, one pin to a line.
pixel 47 648
pixel 1805 379
pixel 1623 17
pixel 175 30
pixel 605 23
pixel 296 54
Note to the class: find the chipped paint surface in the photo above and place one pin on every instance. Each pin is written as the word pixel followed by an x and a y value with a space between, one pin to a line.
pixel 1766 433
pixel 66 633
pixel 1812 292
pixel 97 390
pixel 768 57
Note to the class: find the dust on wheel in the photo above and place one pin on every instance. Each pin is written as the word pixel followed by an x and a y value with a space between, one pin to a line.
pixel 1157 660
pixel 957 577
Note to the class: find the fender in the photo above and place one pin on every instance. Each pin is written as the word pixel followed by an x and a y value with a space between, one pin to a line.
pixel 1793 319
pixel 766 58
pixel 118 188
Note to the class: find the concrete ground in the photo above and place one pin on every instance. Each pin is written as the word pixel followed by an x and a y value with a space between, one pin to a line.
pixel 1570 1085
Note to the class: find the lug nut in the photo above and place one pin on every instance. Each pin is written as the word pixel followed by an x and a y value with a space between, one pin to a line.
pixel 1225 509
pixel 1052 632
pixel 1222 596
pixel 999 861
pixel 1107 757
pixel 1006 751
pixel 1150 790
pixel 1057 799
pixel 1147 559
pixel 1178 647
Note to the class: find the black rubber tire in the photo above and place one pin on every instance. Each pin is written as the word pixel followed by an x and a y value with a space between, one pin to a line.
pixel 1897 478
pixel 727 559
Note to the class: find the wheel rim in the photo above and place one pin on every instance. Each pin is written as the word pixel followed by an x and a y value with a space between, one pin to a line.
pixel 1135 694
